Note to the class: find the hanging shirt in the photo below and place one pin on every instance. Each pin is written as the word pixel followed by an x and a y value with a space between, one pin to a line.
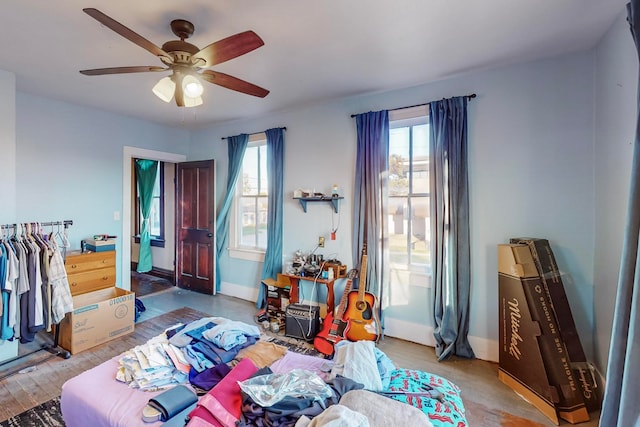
pixel 13 271
pixel 23 279
pixel 39 300
pixel 5 332
pixel 61 300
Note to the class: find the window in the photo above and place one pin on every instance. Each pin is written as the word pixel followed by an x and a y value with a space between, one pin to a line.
pixel 408 203
pixel 156 219
pixel 250 219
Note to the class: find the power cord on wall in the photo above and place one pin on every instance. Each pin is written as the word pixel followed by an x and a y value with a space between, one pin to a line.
pixel 314 290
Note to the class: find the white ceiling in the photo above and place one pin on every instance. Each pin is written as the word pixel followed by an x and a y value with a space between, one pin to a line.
pixel 314 50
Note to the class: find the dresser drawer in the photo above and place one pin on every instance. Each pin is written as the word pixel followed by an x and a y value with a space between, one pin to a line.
pixel 80 262
pixel 92 280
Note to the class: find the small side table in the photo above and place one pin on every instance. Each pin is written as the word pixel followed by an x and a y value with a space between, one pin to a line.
pixel 293 296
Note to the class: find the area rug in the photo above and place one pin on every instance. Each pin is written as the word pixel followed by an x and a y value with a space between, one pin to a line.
pixel 45 415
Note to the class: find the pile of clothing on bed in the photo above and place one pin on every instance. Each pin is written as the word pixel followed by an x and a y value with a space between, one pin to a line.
pixel 243 380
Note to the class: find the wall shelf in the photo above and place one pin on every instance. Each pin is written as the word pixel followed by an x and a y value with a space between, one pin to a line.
pixel 333 200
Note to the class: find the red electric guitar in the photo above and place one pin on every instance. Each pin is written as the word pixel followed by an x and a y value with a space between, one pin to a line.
pixel 361 310
pixel 334 328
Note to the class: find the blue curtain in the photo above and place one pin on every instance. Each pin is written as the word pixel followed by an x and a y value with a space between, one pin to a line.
pixel 370 195
pixel 235 152
pixel 449 209
pixel 275 176
pixel 621 406
pixel 146 173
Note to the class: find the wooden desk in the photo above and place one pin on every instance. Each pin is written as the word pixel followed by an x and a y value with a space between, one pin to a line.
pixel 293 295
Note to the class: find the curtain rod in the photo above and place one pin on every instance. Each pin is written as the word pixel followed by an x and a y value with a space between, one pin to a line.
pixel 469 97
pixel 255 133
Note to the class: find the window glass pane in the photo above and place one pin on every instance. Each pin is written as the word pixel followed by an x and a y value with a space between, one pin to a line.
pixel 156 185
pixel 398 232
pixel 398 161
pixel 247 229
pixel 420 163
pixel 250 172
pixel 420 231
pixel 154 219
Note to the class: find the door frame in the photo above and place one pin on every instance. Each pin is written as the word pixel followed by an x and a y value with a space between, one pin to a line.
pixel 128 154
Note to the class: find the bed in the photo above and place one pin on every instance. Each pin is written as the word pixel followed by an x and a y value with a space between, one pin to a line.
pixel 95 398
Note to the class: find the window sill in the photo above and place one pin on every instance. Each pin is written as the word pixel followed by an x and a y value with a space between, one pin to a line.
pixel 158 243
pixel 247 254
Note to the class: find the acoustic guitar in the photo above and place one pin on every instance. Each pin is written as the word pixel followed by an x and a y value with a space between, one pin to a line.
pixel 361 310
pixel 334 328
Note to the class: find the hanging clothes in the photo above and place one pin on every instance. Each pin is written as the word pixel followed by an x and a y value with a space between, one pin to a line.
pixel 35 292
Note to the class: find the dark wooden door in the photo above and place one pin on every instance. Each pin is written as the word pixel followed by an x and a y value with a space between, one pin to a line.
pixel 195 226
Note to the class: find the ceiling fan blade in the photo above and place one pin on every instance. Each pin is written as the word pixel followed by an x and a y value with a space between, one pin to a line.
pixel 126 32
pixel 121 70
pixel 233 83
pixel 228 48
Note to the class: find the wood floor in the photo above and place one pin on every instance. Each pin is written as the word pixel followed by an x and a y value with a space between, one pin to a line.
pixel 487 401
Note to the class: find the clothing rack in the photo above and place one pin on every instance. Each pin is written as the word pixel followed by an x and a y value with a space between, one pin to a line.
pixel 53 348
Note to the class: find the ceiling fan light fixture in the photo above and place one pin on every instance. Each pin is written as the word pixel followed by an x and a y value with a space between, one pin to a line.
pixel 192 87
pixel 164 89
pixel 192 102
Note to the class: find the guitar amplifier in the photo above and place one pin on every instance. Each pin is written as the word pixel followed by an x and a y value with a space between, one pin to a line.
pixel 302 321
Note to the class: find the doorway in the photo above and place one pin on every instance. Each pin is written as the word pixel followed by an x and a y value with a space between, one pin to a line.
pixel 128 193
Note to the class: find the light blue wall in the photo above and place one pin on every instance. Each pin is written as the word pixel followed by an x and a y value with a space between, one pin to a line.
pixel 616 105
pixel 7 147
pixel 531 148
pixel 69 164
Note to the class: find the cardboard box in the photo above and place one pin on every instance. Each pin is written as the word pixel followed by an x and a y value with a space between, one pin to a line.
pixel 98 317
pixel 552 280
pixel 531 348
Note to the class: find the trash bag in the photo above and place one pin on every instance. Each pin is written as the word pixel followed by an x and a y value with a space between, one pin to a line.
pixel 139 308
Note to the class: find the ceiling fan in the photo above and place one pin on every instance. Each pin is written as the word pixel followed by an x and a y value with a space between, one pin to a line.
pixel 186 62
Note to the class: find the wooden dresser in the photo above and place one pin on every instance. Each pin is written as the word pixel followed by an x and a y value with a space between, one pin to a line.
pixel 90 271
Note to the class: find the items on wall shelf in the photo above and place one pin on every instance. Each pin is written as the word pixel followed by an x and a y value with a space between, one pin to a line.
pixel 33 264
pixel 334 200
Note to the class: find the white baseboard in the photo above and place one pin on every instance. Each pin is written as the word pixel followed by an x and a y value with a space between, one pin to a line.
pixel 484 349
pixel 422 334
pixel 239 291
pixel 408 331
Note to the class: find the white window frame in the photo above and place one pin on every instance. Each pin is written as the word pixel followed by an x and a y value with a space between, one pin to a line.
pixel 409 117
pixel 235 250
